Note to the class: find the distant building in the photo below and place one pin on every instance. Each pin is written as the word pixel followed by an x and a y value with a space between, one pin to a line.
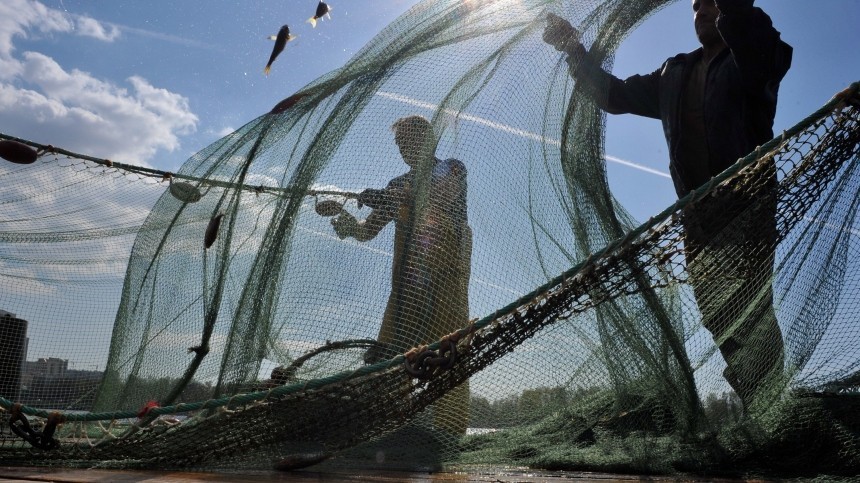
pixel 46 366
pixel 13 351
pixel 49 383
pixel 46 382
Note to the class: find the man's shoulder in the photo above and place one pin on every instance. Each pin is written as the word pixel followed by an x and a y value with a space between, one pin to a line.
pixel 400 181
pixel 684 57
pixel 675 66
pixel 452 166
pixel 453 162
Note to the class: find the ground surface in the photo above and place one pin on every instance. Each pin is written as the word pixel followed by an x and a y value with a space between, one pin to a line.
pixel 501 475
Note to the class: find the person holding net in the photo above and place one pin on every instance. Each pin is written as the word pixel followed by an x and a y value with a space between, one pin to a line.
pixel 716 104
pixel 432 254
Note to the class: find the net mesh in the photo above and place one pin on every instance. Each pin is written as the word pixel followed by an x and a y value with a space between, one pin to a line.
pixel 485 302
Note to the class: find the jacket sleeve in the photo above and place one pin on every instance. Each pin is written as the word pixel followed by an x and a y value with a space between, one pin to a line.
pixel 638 94
pixel 385 205
pixel 759 53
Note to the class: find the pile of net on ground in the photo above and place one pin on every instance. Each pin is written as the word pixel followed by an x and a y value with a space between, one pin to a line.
pixel 510 312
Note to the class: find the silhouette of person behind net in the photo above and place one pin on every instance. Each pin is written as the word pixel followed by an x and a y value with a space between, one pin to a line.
pixel 432 254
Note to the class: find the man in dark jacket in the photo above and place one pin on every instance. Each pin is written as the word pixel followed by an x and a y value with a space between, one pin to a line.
pixel 716 104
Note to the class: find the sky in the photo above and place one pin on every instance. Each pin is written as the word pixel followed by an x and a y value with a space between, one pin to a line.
pixel 152 83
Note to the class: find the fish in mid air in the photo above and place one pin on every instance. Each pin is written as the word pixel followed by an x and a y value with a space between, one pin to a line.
pixel 323 10
pixel 280 42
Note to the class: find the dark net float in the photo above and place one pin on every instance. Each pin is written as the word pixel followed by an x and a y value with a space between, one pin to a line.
pixel 18 153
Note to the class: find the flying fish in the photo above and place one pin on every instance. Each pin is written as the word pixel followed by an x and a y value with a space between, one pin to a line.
pixel 323 10
pixel 280 42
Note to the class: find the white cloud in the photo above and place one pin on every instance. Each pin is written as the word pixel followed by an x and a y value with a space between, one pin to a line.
pixel 22 18
pixel 89 27
pixel 21 281
pixel 225 131
pixel 163 37
pixel 43 101
pixel 49 103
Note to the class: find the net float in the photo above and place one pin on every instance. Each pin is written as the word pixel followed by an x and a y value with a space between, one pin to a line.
pixel 18 153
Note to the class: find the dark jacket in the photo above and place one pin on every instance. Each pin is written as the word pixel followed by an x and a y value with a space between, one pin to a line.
pixel 740 91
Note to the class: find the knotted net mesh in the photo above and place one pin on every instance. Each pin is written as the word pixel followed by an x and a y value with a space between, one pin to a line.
pixel 342 282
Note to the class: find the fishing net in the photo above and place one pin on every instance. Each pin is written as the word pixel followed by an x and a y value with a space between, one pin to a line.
pixel 462 289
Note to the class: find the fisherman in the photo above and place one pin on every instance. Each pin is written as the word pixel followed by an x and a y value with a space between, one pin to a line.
pixel 716 104
pixel 432 254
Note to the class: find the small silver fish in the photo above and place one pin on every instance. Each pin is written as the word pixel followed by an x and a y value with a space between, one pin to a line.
pixel 301 460
pixel 280 42
pixel 211 236
pixel 323 10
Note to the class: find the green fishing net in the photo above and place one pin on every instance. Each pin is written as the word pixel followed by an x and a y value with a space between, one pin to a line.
pixel 298 294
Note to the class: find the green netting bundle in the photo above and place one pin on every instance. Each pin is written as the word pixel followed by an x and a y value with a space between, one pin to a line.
pixel 416 262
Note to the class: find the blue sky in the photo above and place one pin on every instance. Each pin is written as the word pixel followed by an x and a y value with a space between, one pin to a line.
pixel 153 82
